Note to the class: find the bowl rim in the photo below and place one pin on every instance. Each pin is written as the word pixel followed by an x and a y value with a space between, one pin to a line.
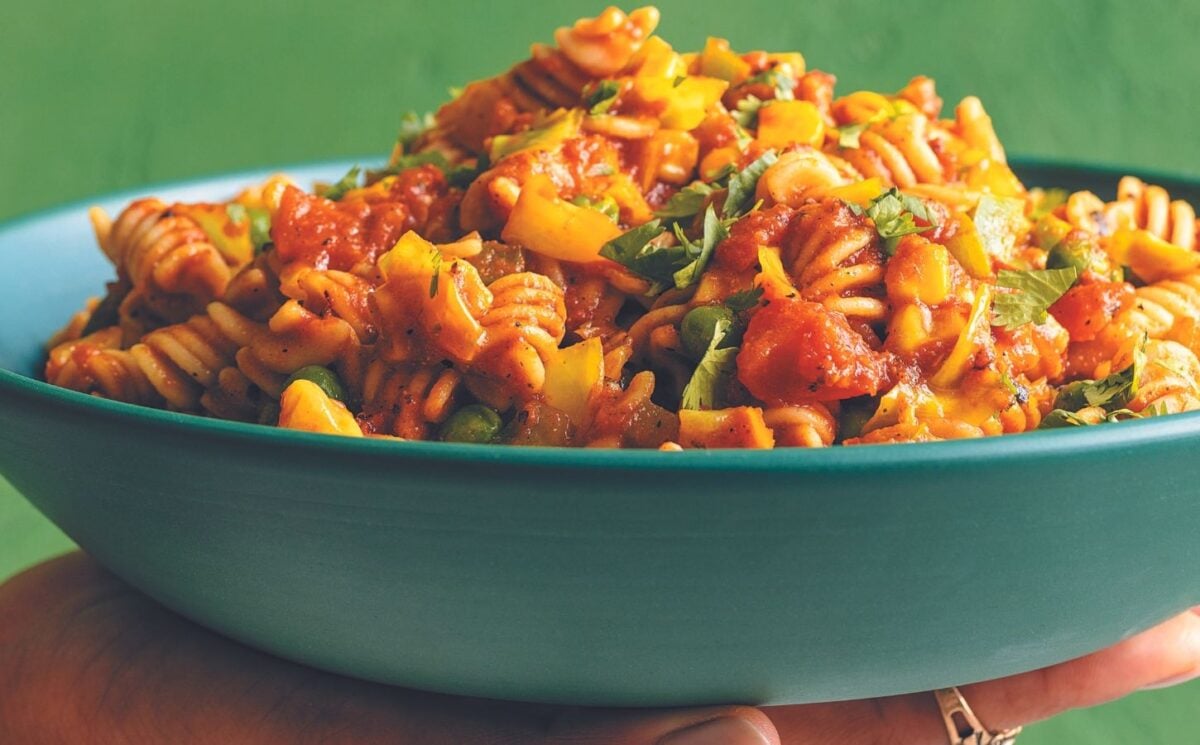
pixel 954 454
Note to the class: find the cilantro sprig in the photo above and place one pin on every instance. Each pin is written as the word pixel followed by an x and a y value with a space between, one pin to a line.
pixel 740 198
pixel 687 202
pixel 679 265
pixel 259 219
pixel 600 98
pixel 1111 394
pixel 1034 292
pixel 713 373
pixel 778 78
pixel 895 215
pixel 336 191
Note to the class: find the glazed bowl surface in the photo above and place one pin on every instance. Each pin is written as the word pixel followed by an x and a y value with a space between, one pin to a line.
pixel 602 577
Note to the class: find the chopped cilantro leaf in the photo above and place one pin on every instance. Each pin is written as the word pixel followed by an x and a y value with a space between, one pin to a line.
pixel 740 198
pixel 715 231
pixel 336 191
pixel 895 214
pixel 605 205
pixel 1019 392
pixel 412 126
pixel 746 113
pixel 779 79
pixel 1111 394
pixel 602 96
pixel 260 223
pixel 437 273
pixel 740 302
pixel 636 251
pixel 1036 291
pixel 712 374
pixel 686 202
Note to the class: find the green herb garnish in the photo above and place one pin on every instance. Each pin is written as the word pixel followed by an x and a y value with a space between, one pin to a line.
pixel 715 231
pixel 260 223
pixel 1035 291
pixel 687 202
pixel 602 96
pixel 713 372
pixel 334 192
pixel 742 185
pixel 895 215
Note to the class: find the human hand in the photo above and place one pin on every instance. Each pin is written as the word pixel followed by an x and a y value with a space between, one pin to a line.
pixel 86 659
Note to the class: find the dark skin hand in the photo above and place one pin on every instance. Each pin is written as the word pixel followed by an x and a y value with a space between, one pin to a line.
pixel 86 659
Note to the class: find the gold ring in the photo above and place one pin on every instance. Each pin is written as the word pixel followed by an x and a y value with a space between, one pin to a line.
pixel 963 727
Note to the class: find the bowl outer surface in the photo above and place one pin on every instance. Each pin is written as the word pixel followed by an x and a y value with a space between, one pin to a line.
pixel 622 578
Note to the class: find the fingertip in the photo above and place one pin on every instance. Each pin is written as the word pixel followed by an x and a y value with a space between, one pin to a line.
pixel 726 725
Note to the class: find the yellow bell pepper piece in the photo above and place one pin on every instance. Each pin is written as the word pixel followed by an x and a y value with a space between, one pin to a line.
pixel 449 305
pixel 573 375
pixel 773 278
pixel 781 123
pixel 928 282
pixel 1051 231
pixel 543 223
pixel 909 328
pixel 546 134
pixel 967 248
pixel 861 193
pixel 1150 257
pixel 717 159
pixel 959 362
pixel 657 67
pixel 994 177
pixel 739 427
pixel 690 100
pixel 717 61
pixel 412 256
pixel 304 406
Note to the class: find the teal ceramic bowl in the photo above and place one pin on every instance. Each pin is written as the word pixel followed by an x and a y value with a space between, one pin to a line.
pixel 593 577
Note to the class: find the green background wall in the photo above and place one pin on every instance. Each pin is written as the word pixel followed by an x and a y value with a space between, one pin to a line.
pixel 96 97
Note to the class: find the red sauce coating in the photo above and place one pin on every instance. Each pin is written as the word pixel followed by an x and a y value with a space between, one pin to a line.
pixel 1086 309
pixel 796 352
pixel 739 252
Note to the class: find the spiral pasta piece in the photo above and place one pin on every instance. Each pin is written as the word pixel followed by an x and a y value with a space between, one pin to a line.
pixel 833 257
pixel 1169 310
pixel 171 264
pixel 523 328
pixel 406 401
pixel 808 426
pixel 552 78
pixel 1147 207
pixel 1167 384
pixel 172 366
pixel 327 292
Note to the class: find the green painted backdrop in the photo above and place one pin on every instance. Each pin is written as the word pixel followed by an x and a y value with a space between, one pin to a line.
pixel 100 96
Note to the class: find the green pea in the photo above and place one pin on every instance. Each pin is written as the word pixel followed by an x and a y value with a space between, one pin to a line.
pixel 474 423
pixel 1071 253
pixel 854 415
pixel 696 330
pixel 324 378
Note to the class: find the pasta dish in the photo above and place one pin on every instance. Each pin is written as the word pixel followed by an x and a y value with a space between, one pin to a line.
pixel 615 244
